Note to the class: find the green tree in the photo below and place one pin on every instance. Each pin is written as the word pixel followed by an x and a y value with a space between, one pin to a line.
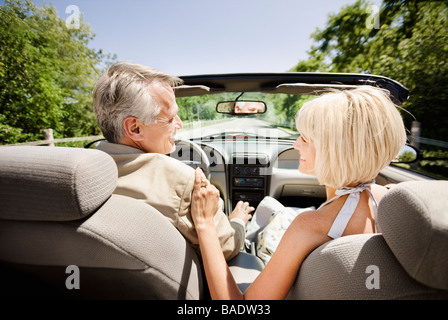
pixel 286 107
pixel 419 59
pixel 47 74
pixel 410 45
pixel 342 44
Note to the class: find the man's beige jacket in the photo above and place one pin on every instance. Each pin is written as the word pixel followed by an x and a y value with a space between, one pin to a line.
pixel 167 184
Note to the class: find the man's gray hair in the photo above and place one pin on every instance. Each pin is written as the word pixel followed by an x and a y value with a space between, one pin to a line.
pixel 123 91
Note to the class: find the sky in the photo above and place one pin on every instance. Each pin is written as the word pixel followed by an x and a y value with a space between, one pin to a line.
pixel 186 37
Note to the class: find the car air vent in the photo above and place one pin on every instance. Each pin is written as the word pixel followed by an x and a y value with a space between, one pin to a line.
pixel 260 159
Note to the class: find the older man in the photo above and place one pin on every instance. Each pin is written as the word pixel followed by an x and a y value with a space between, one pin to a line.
pixel 136 109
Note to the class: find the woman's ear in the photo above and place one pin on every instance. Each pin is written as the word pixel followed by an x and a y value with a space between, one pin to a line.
pixel 131 127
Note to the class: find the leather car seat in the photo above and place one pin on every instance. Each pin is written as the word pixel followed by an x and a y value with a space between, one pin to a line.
pixel 407 260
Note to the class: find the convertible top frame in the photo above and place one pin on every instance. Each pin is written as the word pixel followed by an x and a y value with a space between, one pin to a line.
pixel 310 83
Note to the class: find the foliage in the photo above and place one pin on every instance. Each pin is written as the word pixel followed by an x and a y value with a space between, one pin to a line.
pixel 434 163
pixel 198 107
pixel 410 45
pixel 47 74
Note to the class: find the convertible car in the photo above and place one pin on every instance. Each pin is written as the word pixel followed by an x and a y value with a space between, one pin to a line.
pixel 64 234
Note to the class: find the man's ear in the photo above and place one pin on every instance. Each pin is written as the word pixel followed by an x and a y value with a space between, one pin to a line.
pixel 131 127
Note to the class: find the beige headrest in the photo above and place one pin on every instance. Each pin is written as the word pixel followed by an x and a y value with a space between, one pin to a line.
pixel 54 183
pixel 413 217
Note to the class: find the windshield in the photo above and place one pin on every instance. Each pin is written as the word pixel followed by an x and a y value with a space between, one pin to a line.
pixel 200 118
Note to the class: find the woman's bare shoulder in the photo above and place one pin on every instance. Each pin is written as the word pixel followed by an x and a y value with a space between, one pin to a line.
pixel 314 221
pixel 379 191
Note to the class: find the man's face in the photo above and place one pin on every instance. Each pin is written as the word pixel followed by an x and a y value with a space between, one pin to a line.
pixel 159 136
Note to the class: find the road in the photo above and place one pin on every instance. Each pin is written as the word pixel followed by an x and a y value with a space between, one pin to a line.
pixel 232 126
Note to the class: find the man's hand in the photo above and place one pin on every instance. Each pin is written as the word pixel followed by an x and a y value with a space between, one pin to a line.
pixel 242 211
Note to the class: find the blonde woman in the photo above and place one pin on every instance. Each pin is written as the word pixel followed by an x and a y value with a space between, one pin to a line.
pixel 346 138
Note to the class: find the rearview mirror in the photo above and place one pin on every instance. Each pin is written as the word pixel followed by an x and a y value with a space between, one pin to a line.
pixel 241 107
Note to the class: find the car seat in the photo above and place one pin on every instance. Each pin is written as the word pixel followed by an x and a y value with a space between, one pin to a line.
pixel 63 234
pixel 407 260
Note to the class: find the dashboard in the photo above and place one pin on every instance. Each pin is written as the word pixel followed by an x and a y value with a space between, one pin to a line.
pixel 249 168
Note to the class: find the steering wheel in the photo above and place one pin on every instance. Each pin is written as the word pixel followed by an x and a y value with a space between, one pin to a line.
pixel 191 153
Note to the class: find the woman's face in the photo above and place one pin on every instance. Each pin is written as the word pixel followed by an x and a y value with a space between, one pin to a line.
pixel 307 153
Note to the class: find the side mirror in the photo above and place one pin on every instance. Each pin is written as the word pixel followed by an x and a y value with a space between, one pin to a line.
pixel 241 107
pixel 408 154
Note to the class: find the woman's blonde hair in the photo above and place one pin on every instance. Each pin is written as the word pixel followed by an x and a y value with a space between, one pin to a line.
pixel 356 134
pixel 122 91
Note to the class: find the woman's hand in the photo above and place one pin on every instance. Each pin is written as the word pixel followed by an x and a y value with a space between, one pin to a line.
pixel 204 205
pixel 242 211
pixel 205 201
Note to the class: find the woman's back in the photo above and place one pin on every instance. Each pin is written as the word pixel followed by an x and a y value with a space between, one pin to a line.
pixel 346 215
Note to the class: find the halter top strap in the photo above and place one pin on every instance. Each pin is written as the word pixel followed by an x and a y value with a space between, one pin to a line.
pixel 343 217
